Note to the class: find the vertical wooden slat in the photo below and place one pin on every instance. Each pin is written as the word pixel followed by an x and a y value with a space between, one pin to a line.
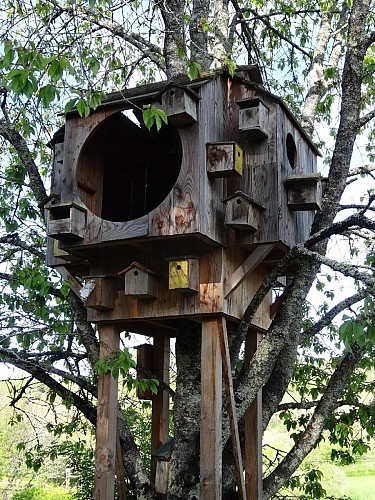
pixel 228 384
pixel 106 425
pixel 160 401
pixel 253 432
pixel 211 413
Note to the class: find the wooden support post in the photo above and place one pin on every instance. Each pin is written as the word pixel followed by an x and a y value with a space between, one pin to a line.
pixel 253 432
pixel 160 401
pixel 106 425
pixel 227 375
pixel 211 413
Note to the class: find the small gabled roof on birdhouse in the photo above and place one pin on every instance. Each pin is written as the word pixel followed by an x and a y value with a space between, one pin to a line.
pixel 245 197
pixel 165 451
pixel 175 85
pixel 137 265
pixel 303 178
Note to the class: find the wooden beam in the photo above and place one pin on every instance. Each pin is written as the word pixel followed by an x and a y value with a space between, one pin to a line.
pixel 75 285
pixel 228 384
pixel 106 424
pixel 211 413
pixel 160 401
pixel 253 432
pixel 252 261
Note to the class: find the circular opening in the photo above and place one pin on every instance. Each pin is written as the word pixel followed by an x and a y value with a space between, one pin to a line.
pixel 125 170
pixel 135 273
pixel 178 267
pixel 291 151
pixel 172 92
pixel 238 201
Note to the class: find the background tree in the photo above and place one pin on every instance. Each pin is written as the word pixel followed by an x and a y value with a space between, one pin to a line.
pixel 320 57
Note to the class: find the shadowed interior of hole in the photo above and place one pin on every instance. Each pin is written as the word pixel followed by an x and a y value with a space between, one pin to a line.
pixel 291 151
pixel 125 170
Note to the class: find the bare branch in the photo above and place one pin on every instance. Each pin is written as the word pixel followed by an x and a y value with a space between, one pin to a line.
pixel 310 436
pixel 365 119
pixel 365 169
pixel 355 220
pixel 152 51
pixel 343 268
pixel 10 134
pixel 15 240
pixel 267 23
pixel 337 309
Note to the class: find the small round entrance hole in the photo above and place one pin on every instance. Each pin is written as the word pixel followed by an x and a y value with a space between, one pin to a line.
pixel 178 267
pixel 125 170
pixel 291 151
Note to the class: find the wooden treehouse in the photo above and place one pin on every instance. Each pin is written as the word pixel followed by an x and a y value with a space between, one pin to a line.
pixel 180 223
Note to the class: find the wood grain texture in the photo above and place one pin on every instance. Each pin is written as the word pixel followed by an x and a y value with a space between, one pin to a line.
pixel 253 432
pixel 106 424
pixel 231 406
pixel 252 261
pixel 211 413
pixel 160 401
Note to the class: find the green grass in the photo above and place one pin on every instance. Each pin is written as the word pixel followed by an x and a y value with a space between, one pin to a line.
pixel 361 487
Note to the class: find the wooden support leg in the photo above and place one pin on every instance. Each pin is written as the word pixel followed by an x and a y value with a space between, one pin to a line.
pixel 253 433
pixel 228 384
pixel 160 402
pixel 211 413
pixel 106 425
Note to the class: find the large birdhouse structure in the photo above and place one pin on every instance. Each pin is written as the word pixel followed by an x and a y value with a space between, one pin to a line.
pixel 186 221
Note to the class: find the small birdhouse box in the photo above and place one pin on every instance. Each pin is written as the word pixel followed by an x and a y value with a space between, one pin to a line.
pixel 140 282
pixel 163 465
pixel 304 191
pixel 66 221
pixel 224 159
pixel 241 212
pixel 253 119
pixel 180 105
pixel 145 353
pixel 99 292
pixel 184 275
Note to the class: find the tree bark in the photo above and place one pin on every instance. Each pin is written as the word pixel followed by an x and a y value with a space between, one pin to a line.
pixel 185 458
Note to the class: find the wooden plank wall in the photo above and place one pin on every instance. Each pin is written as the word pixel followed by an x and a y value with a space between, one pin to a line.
pixel 294 226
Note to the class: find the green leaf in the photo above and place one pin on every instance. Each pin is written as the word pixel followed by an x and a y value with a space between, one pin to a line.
pixel 83 108
pixel 194 70
pixel 70 104
pixel 47 94
pixel 148 117
pixel 152 115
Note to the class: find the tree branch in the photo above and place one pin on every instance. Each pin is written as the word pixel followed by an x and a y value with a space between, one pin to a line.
pixel 152 51
pixel 310 436
pixel 337 309
pixel 346 269
pixel 15 240
pixel 366 118
pixel 10 134
pixel 365 169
